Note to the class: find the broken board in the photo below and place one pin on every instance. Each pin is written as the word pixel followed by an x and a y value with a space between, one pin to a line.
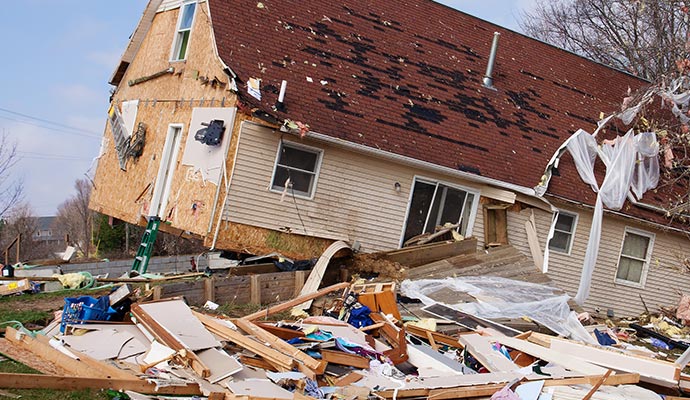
pixel 468 321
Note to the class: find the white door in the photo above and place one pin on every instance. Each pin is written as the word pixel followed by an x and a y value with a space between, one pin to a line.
pixel 161 190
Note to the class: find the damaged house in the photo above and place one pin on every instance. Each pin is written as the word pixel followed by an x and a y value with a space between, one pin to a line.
pixel 284 126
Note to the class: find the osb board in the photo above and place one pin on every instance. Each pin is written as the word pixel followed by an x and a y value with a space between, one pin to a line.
pixel 117 192
pixel 30 360
pixel 255 240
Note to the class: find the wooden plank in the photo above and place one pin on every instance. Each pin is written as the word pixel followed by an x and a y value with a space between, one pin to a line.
pixel 611 380
pixel 352 377
pixel 385 301
pixel 369 300
pixel 210 289
pixel 565 360
pixel 481 348
pixel 278 344
pixel 395 337
pixel 300 276
pixel 83 367
pixel 438 337
pixel 298 300
pixel 533 241
pixel 342 358
pixel 165 337
pixel 257 363
pixel 283 333
pixel 55 382
pixel 314 280
pixel 648 368
pixel 254 289
pixel 231 335
pixel 597 386
pixel 414 256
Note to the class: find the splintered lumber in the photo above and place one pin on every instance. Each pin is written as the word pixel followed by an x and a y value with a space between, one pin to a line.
pixel 85 366
pixel 432 336
pixel 395 337
pixel 414 256
pixel 298 300
pixel 481 348
pixel 278 344
pixel 342 358
pixel 272 356
pixel 650 370
pixel 55 382
pixel 314 280
pixel 469 321
pixel 565 360
pixel 165 337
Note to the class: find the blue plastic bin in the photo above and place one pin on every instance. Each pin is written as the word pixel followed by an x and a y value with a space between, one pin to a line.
pixel 83 308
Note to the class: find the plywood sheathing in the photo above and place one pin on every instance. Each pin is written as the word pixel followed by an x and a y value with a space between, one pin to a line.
pixel 164 100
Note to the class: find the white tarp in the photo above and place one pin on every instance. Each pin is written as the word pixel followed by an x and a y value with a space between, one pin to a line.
pixel 631 164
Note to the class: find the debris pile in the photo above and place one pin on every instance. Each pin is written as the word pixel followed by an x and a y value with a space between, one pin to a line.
pixel 357 340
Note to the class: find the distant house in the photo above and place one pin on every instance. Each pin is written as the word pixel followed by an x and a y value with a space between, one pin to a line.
pixel 48 232
pixel 285 125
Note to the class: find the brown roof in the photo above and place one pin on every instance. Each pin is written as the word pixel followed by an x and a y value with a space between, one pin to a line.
pixel 406 77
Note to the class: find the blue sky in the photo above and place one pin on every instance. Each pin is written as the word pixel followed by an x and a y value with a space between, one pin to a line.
pixel 55 72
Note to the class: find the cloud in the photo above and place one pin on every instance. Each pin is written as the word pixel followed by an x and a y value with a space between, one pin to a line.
pixel 78 95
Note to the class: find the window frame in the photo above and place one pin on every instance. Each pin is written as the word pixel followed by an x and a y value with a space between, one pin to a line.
pixel 176 44
pixel 430 181
pixel 317 169
pixel 576 218
pixel 647 261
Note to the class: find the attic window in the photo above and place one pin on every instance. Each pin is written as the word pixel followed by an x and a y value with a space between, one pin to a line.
pixel 296 169
pixel 183 31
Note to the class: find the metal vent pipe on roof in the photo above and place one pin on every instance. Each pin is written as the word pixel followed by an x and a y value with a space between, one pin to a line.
pixel 488 79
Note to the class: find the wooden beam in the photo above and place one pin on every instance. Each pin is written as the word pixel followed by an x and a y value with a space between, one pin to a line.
pixel 278 344
pixel 55 382
pixel 81 367
pixel 414 256
pixel 438 337
pixel 254 289
pixel 210 289
pixel 229 334
pixel 296 301
pixel 165 337
pixel 283 333
pixel 300 276
pixel 352 377
pixel 342 358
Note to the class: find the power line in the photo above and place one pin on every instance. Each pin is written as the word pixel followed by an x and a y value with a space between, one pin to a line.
pixel 75 131
pixel 45 156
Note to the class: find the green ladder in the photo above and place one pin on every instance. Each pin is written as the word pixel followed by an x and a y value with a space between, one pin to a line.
pixel 141 261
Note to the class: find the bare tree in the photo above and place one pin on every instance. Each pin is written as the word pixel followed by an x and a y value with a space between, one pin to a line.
pixel 11 190
pixel 646 38
pixel 75 217
pixel 20 223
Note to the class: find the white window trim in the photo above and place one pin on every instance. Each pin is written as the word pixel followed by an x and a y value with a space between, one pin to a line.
pixel 173 53
pixel 317 170
pixel 576 219
pixel 432 181
pixel 168 158
pixel 645 267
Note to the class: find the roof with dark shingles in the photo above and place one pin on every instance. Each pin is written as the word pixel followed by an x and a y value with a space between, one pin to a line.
pixel 406 77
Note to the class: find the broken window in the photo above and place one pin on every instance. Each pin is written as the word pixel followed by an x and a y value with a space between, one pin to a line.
pixel 296 169
pixel 634 257
pixel 184 31
pixel 563 233
pixel 435 204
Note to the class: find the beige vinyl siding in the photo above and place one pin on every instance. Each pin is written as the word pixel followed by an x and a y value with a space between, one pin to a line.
pixel 663 280
pixel 355 197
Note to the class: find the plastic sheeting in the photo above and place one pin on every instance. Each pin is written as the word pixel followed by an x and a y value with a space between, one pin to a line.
pixel 631 165
pixel 503 298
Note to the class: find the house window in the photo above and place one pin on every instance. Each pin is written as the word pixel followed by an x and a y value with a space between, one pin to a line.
pixel 296 169
pixel 563 233
pixel 634 257
pixel 184 31
pixel 435 204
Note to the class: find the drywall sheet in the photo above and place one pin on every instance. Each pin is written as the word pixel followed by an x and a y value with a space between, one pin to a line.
pixel 220 364
pixel 432 363
pixel 129 115
pixel 259 388
pixel 176 318
pixel 101 344
pixel 381 382
pixel 483 350
pixel 205 159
